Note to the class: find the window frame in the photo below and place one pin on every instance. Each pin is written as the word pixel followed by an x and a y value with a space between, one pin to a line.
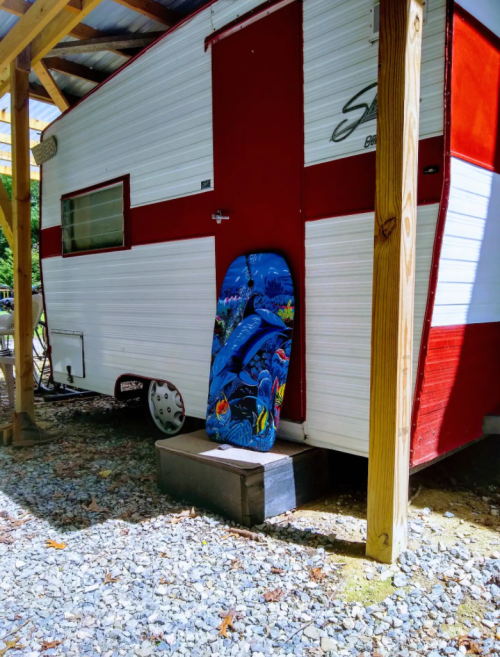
pixel 127 242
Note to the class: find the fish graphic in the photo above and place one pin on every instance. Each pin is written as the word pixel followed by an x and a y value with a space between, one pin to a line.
pixel 242 345
pixel 222 409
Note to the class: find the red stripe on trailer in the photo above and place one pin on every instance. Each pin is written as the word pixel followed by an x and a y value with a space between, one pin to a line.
pixel 257 128
pixel 475 99
pixel 347 186
pixel 50 242
pixel 438 239
pixel 247 19
pixel 461 385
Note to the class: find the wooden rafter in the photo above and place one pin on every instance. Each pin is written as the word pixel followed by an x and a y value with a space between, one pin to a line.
pixel 125 41
pixel 80 31
pixel 39 92
pixel 7 139
pixel 35 124
pixel 7 171
pixel 39 16
pixel 74 69
pixel 57 29
pixel 51 86
pixel 153 10
pixel 6 156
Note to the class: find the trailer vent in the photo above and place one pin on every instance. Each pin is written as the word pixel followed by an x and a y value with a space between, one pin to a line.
pixel 375 21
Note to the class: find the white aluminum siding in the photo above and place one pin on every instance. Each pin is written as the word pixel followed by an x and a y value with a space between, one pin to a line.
pixel 339 61
pixel 468 289
pixel 339 268
pixel 147 311
pixel 153 120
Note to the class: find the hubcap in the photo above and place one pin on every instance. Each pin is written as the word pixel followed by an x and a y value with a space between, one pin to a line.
pixel 166 408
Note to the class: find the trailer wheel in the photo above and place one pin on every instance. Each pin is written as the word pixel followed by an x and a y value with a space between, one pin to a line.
pixel 166 410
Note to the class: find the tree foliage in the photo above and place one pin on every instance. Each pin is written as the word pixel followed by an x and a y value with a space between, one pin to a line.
pixel 6 259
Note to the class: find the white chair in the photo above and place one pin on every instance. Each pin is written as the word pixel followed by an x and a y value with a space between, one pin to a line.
pixel 7 358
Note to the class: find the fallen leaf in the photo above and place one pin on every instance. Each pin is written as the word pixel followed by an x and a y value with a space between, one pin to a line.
pixel 11 645
pixel 277 571
pixel 317 574
pixel 55 545
pixel 105 473
pixel 227 623
pixel 110 580
pixel 187 513
pixel 93 507
pixel 273 596
pixel 6 539
pixel 471 646
pixel 164 581
pixel 47 645
pixel 163 555
pixel 236 565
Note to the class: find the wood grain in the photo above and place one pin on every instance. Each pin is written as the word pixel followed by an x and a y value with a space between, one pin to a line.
pixel 393 276
pixel 51 86
pixel 21 212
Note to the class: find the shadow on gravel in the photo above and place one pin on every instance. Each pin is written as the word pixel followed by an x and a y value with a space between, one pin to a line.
pixel 104 468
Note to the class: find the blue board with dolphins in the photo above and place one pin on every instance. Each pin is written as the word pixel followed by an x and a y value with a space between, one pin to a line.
pixel 251 352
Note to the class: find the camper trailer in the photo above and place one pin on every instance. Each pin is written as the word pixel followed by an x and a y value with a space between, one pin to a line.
pixel 251 127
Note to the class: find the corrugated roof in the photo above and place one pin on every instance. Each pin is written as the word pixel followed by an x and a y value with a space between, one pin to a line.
pixel 109 18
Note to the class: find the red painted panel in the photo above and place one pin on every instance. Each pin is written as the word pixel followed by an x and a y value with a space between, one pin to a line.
pixel 460 385
pixel 347 186
pixel 475 92
pixel 257 124
pixel 51 242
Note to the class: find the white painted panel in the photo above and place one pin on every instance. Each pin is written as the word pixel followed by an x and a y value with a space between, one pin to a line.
pixel 153 120
pixel 339 268
pixel 486 11
pixel 468 289
pixel 66 349
pixel 147 311
pixel 339 62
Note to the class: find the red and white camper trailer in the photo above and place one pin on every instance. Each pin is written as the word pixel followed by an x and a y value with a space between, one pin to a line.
pixel 266 114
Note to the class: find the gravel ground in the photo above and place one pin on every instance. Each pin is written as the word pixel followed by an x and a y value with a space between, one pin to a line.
pixel 95 561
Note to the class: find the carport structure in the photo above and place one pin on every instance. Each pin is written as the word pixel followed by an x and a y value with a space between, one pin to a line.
pixel 54 51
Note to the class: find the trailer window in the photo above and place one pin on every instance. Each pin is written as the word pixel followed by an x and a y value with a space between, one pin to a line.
pixel 93 221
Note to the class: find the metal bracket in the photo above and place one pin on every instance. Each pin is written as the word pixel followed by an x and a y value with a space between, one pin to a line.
pixel 70 376
pixel 218 216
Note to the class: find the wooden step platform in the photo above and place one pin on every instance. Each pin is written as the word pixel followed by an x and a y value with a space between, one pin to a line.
pixel 241 485
pixel 491 422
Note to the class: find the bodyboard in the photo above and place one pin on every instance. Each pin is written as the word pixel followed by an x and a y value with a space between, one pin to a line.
pixel 251 352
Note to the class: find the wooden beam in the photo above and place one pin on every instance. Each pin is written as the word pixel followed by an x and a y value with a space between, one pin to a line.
pixel 38 16
pixel 7 139
pixel 38 92
pixel 80 31
pixel 391 390
pixel 6 156
pixel 6 215
pixel 21 207
pixel 51 86
pixel 124 42
pixel 153 10
pixel 57 29
pixel 68 67
pixel 35 124
pixel 7 171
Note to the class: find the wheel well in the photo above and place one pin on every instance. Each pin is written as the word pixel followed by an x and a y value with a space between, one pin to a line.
pixel 129 386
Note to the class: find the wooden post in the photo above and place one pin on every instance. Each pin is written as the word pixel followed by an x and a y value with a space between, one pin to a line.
pixel 21 214
pixel 391 390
